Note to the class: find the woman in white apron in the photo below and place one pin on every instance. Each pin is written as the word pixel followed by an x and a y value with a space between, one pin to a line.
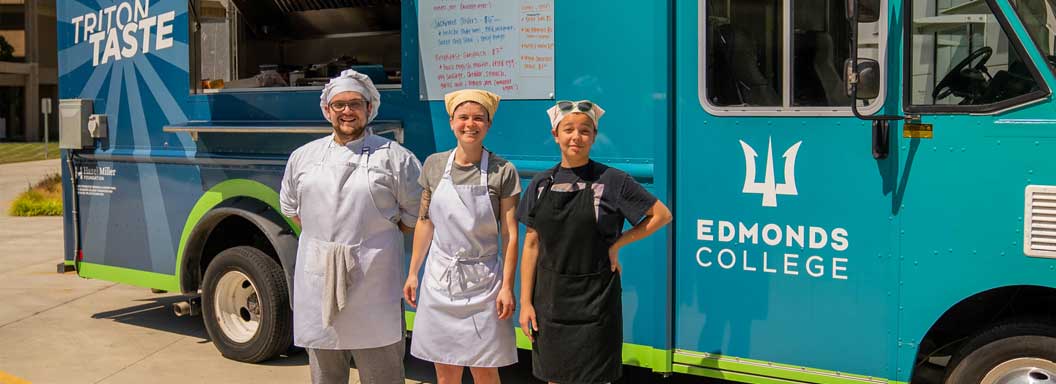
pixel 469 197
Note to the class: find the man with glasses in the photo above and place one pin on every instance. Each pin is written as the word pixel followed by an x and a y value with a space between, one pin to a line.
pixel 354 194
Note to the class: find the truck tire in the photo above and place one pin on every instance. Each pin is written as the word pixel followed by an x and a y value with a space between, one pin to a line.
pixel 1015 352
pixel 245 305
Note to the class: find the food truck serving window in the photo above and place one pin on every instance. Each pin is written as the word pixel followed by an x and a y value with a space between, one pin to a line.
pixel 285 44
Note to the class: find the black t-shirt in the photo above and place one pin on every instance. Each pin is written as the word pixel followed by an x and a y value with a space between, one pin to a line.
pixel 617 196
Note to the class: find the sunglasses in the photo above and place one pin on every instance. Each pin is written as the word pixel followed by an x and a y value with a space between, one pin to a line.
pixel 573 106
pixel 340 106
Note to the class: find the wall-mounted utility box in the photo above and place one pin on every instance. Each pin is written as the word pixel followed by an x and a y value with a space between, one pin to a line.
pixel 73 124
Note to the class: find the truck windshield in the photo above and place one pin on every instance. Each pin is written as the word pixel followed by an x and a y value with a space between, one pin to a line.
pixel 1039 18
pixel 960 55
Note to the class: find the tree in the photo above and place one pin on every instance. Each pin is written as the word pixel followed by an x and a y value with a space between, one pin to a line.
pixel 7 51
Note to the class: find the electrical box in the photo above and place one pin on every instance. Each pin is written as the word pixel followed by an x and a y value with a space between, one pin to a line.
pixel 73 124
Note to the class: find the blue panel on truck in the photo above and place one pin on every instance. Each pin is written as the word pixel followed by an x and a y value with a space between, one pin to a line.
pixel 784 242
pixel 132 208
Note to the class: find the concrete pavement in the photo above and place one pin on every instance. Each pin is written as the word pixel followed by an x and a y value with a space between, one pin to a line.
pixel 15 177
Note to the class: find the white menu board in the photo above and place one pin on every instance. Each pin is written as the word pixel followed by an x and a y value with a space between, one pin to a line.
pixel 503 46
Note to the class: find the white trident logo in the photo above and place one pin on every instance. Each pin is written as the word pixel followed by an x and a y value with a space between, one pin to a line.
pixel 769 188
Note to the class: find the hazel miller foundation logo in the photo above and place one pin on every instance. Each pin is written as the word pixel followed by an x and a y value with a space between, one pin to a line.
pixel 95 173
pixel 769 188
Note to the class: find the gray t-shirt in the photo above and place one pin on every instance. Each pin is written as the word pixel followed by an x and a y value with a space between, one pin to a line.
pixel 503 180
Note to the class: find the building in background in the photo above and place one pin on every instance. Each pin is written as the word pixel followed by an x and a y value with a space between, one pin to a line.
pixel 28 57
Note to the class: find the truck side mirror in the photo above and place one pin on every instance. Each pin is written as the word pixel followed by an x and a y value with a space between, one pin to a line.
pixel 866 75
pixel 868 10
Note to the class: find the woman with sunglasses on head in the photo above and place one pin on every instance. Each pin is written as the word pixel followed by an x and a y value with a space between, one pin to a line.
pixel 570 273
pixel 469 198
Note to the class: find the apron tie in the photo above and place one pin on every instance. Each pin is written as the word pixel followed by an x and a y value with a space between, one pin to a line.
pixel 340 261
pixel 461 270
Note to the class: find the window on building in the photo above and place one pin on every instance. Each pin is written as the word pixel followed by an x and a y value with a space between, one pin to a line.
pixel 12 30
pixel 280 44
pixel 960 55
pixel 745 61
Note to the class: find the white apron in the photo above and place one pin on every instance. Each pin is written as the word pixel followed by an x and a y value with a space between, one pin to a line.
pixel 456 322
pixel 339 218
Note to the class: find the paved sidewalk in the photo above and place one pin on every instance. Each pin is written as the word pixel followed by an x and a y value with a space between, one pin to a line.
pixel 59 328
pixel 16 177
pixel 25 241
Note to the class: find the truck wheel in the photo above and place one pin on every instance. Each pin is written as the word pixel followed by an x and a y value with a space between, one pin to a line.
pixel 1020 352
pixel 245 305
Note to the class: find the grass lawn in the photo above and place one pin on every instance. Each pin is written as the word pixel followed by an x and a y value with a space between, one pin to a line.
pixel 17 152
pixel 42 199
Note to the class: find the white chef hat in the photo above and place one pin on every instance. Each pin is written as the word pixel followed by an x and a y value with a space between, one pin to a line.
pixel 350 80
pixel 564 108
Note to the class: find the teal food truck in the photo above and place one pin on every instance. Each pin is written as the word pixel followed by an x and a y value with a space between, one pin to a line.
pixel 863 191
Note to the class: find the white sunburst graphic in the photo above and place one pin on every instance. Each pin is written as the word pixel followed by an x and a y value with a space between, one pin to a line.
pixel 98 31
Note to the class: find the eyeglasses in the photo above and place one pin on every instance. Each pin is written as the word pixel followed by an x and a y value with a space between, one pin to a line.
pixel 570 106
pixel 340 106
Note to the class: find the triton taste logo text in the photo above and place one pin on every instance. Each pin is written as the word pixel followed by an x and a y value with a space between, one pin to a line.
pixel 769 188
pixel 123 30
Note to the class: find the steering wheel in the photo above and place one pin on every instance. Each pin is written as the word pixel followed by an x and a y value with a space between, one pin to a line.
pixel 956 79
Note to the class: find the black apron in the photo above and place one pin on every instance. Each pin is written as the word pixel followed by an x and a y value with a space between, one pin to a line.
pixel 577 296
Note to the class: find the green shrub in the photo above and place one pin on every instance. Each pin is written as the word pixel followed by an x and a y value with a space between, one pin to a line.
pixel 43 199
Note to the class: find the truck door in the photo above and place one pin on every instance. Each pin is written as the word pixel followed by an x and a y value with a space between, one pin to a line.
pixel 785 244
pixel 983 138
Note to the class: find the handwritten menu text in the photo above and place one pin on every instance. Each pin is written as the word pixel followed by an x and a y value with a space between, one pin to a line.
pixel 503 46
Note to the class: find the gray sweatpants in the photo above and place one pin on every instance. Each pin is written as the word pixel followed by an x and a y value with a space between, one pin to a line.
pixel 382 365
